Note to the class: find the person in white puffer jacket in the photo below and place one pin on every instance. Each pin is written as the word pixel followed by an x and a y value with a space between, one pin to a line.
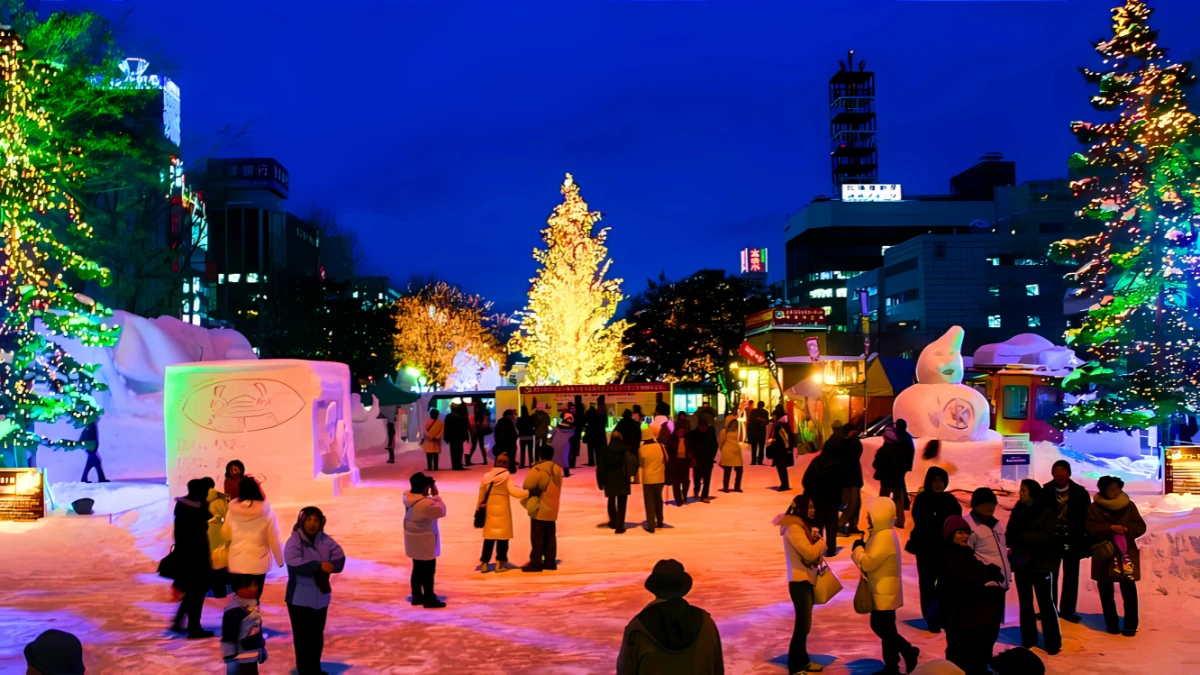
pixel 879 560
pixel 803 549
pixel 253 534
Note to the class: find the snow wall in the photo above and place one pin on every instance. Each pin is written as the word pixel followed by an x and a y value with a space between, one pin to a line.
pixel 288 421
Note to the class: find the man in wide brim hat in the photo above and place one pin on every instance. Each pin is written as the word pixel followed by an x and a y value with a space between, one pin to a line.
pixel 670 635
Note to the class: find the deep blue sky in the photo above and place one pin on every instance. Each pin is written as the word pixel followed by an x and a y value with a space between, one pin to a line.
pixel 440 130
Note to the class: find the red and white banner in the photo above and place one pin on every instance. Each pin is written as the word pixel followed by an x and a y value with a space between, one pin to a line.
pixel 752 353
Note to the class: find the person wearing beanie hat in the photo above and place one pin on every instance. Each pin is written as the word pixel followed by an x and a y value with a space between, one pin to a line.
pixel 990 545
pixel 1071 501
pixel 652 460
pixel 1114 524
pixel 670 635
pixel 54 652
pixel 965 608
pixel 422 540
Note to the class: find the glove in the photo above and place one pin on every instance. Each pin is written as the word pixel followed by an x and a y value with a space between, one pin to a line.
pixel 857 543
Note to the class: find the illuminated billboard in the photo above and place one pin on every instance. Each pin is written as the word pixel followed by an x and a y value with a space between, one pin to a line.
pixel 754 261
pixel 871 192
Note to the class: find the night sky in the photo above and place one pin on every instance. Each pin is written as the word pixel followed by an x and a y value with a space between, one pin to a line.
pixel 440 130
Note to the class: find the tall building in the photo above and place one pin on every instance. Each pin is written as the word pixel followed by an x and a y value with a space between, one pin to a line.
pixel 853 153
pixel 837 247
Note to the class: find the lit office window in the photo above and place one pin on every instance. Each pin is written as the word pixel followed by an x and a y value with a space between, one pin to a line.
pixel 994 321
pixel 995 291
pixel 1032 290
pixel 1035 321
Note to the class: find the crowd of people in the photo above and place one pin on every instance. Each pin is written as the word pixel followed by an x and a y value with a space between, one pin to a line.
pixel 226 541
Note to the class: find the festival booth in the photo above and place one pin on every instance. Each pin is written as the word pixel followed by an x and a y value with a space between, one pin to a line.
pixel 839 390
pixel 287 420
pixel 617 397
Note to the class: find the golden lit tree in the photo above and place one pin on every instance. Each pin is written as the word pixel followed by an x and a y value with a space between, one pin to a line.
pixel 437 321
pixel 39 380
pixel 567 332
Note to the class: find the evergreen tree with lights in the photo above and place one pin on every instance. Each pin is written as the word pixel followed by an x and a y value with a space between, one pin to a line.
pixel 1141 179
pixel 39 380
pixel 567 332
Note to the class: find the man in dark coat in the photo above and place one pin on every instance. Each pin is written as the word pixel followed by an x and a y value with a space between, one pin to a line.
pixel 756 432
pixel 1033 556
pixel 593 432
pixel 91 437
pixel 1071 501
pixel 702 442
pixel 618 464
pixel 930 510
pixel 191 555
pixel 822 483
pixel 458 432
pixel 506 437
pixel 848 452
pixel 670 635
pixel 892 463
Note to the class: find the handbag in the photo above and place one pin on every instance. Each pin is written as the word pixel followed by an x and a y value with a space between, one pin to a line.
pixel 827 586
pixel 1103 551
pixel 481 511
pixel 168 567
pixel 863 602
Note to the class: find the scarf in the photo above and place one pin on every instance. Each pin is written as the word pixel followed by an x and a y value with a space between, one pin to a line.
pixel 1117 504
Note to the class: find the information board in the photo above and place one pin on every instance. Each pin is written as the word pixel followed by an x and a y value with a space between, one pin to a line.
pixel 1183 470
pixel 22 495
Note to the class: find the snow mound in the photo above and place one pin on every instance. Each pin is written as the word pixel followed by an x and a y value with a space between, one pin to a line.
pixel 110 498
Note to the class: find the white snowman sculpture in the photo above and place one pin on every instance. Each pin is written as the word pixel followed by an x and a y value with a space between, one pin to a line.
pixel 940 406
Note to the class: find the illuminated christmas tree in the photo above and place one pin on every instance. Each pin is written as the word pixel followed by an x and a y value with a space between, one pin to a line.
pixel 437 321
pixel 39 381
pixel 567 332
pixel 1142 170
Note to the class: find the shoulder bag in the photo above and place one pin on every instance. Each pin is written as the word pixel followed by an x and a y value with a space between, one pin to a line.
pixel 481 511
pixel 169 565
pixel 827 586
pixel 863 601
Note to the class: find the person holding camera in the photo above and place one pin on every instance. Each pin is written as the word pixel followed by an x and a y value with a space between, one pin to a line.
pixel 422 540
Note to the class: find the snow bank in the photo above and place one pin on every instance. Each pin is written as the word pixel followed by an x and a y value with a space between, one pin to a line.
pixel 109 497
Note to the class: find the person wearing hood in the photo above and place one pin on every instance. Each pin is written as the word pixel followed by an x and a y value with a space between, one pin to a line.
pixel 966 606
pixel 618 463
pixel 892 463
pixel 544 486
pixel 54 652
pixel 803 551
pixel 422 540
pixel 494 493
pixel 680 459
pixel 930 509
pixel 702 444
pixel 1032 554
pixel 234 472
pixel 652 458
pixel 1071 502
pixel 1114 525
pixel 218 546
pixel 990 545
pixel 731 454
pixel 253 534
pixel 779 448
pixel 312 556
pixel 670 635
pixel 879 560
pixel 193 566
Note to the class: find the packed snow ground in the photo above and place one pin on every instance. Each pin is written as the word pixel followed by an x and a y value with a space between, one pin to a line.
pixel 96 579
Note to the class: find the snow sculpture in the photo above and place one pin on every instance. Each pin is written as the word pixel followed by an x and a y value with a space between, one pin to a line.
pixel 287 420
pixel 939 405
pixel 1027 349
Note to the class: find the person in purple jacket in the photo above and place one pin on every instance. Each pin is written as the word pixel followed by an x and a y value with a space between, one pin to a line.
pixel 312 556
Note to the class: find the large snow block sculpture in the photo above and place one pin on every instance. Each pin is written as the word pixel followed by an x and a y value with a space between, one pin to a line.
pixel 288 421
pixel 939 405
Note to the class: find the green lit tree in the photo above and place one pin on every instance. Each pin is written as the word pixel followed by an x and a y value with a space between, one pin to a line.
pixel 39 380
pixel 1140 176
